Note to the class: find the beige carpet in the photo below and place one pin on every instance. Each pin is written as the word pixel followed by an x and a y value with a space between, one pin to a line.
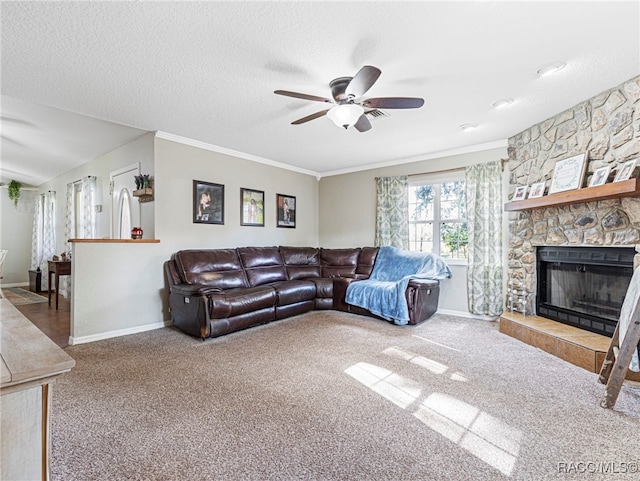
pixel 333 396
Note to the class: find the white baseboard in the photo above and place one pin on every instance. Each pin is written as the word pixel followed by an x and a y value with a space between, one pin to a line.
pixel 14 284
pixel 466 314
pixel 122 332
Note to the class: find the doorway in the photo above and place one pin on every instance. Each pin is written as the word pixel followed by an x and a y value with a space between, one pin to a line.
pixel 125 212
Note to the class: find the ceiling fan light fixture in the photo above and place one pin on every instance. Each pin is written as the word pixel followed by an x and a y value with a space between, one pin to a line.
pixel 345 115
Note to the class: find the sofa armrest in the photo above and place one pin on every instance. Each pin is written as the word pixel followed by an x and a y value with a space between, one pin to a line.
pixel 423 283
pixel 207 290
pixel 186 290
pixel 189 290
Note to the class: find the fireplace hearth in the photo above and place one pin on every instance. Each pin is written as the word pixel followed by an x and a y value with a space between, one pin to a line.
pixel 583 286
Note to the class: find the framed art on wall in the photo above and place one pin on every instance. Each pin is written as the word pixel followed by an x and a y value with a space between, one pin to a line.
pixel 286 214
pixel 251 207
pixel 568 174
pixel 208 203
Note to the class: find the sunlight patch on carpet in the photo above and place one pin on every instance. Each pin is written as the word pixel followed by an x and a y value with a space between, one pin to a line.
pixel 424 362
pixel 436 343
pixel 391 386
pixel 484 436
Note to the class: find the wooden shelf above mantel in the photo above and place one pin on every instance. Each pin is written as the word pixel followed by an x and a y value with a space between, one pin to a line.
pixel 615 190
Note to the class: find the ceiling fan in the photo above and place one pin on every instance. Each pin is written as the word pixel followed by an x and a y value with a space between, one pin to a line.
pixel 349 108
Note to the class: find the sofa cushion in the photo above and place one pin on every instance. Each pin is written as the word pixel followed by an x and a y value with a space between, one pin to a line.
pixel 292 292
pixel 263 265
pixel 233 302
pixel 366 260
pixel 301 262
pixel 212 267
pixel 324 287
pixel 339 262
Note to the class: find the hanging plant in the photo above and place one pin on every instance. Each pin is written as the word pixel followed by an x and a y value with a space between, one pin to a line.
pixel 14 191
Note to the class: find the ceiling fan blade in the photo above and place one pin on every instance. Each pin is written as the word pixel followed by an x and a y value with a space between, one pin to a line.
pixel 310 117
pixel 363 81
pixel 297 95
pixel 393 103
pixel 363 124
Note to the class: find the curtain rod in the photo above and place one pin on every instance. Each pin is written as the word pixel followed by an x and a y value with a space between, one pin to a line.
pixel 443 171
pixel 80 180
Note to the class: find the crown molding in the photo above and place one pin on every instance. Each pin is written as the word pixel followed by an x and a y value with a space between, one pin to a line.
pixel 417 158
pixel 234 153
pixel 318 175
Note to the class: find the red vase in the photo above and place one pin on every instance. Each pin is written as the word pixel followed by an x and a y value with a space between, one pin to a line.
pixel 136 233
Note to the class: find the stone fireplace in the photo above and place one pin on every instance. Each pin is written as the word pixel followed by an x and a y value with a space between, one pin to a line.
pixel 607 128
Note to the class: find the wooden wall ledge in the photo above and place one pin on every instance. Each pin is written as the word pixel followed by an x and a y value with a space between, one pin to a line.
pixel 115 241
pixel 615 190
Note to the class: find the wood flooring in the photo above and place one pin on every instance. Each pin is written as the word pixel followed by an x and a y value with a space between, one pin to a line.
pixel 56 324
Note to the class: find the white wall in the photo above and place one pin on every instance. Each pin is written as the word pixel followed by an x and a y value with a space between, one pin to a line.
pixel 118 290
pixel 348 203
pixel 177 165
pixel 139 150
pixel 15 236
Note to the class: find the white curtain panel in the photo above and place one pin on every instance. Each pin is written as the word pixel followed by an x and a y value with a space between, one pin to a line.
pixel 43 242
pixel 69 231
pixel 87 224
pixel 392 212
pixel 80 216
pixel 484 220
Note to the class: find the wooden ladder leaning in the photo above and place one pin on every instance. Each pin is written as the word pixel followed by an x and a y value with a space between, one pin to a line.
pixel 616 363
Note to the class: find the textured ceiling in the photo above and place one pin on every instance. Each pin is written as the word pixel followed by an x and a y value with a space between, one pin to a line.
pixel 207 71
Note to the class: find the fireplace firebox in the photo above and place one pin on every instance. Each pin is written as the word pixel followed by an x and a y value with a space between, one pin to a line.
pixel 583 286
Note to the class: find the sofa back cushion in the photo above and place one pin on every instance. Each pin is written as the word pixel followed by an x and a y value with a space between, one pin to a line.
pixel 339 262
pixel 262 265
pixel 366 260
pixel 219 268
pixel 301 262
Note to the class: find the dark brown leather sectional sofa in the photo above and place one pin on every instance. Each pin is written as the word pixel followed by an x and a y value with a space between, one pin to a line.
pixel 213 292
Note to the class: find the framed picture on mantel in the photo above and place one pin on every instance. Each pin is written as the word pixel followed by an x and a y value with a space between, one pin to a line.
pixel 626 170
pixel 568 174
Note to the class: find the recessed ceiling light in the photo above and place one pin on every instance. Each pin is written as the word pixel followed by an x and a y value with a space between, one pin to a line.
pixel 468 127
pixel 498 104
pixel 550 68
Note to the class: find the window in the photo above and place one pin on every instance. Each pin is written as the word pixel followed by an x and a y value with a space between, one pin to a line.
pixel 437 217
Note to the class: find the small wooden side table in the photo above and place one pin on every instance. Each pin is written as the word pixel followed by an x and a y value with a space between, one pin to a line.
pixel 59 268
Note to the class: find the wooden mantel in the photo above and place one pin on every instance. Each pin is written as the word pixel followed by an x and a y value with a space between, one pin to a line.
pixel 615 190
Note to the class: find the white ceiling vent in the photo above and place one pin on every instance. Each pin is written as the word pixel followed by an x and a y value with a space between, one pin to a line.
pixel 375 114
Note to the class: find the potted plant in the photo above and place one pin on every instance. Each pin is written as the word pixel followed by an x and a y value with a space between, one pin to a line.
pixel 14 191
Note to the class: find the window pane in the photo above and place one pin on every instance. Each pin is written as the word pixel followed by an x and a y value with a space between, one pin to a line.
pixel 438 210
pixel 452 204
pixel 421 237
pixel 421 200
pixel 454 240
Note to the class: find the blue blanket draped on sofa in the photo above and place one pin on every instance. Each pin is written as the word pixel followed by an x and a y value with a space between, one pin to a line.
pixel 383 293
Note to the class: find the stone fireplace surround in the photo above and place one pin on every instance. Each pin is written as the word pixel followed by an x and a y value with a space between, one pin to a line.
pixel 607 128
